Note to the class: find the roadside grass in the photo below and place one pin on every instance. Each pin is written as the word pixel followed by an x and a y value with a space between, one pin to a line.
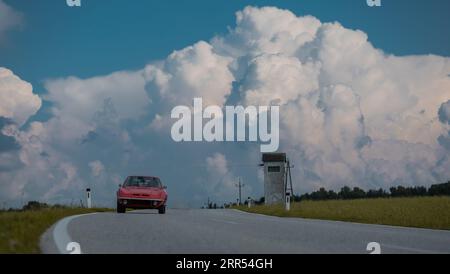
pixel 420 212
pixel 20 231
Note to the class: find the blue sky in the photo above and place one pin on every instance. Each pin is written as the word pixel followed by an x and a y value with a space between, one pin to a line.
pixel 106 36
pixel 104 128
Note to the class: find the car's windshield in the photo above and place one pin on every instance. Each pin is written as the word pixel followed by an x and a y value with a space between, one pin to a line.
pixel 142 182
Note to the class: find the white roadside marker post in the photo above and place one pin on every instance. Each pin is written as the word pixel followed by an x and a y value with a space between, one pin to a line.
pixel 89 199
pixel 249 202
pixel 288 201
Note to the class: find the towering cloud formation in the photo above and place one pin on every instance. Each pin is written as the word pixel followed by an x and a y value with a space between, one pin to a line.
pixel 17 105
pixel 350 115
pixel 17 101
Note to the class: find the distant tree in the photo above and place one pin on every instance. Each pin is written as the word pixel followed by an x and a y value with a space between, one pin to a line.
pixel 34 205
pixel 372 193
pixel 322 194
pixel 399 191
pixel 345 193
pixel 440 190
pixel 380 193
pixel 393 191
pixel 358 193
pixel 332 195
pixel 260 201
pixel 305 196
pixel 419 191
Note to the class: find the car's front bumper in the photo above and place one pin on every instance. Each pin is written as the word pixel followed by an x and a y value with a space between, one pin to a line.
pixel 131 202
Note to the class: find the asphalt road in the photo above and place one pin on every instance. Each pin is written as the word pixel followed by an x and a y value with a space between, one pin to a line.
pixel 190 231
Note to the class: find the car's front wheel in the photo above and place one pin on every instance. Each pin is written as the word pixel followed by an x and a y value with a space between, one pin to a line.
pixel 162 210
pixel 120 208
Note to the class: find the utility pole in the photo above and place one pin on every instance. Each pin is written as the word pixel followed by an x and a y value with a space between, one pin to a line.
pixel 289 190
pixel 288 179
pixel 240 185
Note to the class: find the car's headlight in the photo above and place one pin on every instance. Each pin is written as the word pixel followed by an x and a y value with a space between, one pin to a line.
pixel 122 192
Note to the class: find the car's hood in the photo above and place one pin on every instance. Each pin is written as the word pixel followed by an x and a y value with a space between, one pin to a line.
pixel 142 192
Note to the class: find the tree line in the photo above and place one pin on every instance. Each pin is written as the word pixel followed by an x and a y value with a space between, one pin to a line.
pixel 35 206
pixel 347 193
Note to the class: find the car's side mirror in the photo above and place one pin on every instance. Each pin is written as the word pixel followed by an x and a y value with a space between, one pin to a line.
pixel 120 185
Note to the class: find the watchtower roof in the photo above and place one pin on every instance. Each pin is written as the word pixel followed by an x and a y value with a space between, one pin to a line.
pixel 273 157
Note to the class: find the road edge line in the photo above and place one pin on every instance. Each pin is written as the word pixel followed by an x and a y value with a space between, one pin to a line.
pixel 61 235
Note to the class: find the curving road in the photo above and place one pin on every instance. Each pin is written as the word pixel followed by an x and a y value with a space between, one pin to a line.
pixel 191 231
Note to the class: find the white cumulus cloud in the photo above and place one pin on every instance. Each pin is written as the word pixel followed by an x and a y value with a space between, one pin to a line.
pixel 17 101
pixel 97 168
pixel 350 114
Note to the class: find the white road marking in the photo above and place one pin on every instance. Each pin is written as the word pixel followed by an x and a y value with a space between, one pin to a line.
pixel 61 235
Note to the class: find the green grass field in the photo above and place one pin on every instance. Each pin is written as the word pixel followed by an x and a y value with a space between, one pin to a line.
pixel 426 212
pixel 20 231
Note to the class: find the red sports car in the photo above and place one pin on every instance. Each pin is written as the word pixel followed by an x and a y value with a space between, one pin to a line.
pixel 142 192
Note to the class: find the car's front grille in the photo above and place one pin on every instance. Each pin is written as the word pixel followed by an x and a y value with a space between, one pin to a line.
pixel 138 202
